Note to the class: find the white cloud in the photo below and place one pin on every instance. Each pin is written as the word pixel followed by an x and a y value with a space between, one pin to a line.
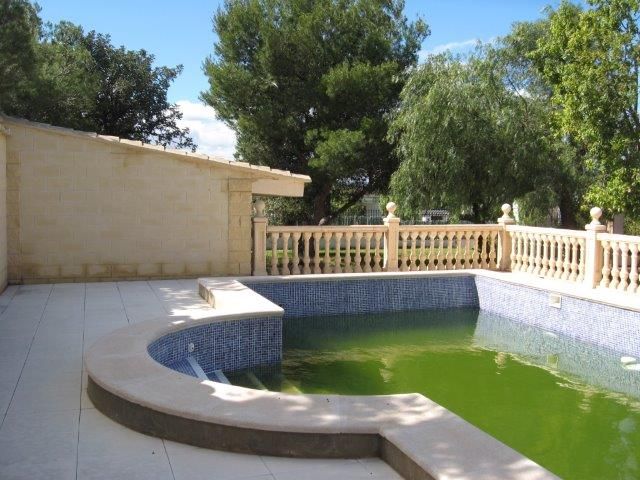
pixel 212 136
pixel 452 47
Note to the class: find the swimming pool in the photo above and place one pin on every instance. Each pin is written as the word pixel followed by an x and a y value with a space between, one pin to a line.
pixel 570 406
pixel 347 402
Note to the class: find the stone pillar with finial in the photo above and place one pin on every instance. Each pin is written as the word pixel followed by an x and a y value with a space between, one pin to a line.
pixel 259 266
pixel 593 250
pixel 504 242
pixel 391 238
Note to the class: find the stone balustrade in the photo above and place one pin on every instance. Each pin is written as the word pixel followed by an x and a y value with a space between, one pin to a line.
pixel 589 257
pixel 548 252
pixel 319 249
pixel 619 262
pixel 448 247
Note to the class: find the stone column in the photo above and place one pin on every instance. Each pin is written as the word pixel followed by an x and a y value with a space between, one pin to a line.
pixel 504 247
pixel 593 250
pixel 392 223
pixel 239 240
pixel 259 239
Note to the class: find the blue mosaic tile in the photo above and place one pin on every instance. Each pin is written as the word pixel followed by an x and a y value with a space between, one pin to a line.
pixel 227 346
pixel 247 343
pixel 595 323
pixel 339 297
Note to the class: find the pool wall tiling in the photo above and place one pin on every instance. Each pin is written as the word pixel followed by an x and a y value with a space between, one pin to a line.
pixel 559 354
pixel 596 323
pixel 336 297
pixel 227 345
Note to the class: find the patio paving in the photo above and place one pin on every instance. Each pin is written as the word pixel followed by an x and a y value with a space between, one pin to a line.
pixel 49 429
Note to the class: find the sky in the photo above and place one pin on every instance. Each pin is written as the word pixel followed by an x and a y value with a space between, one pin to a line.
pixel 180 32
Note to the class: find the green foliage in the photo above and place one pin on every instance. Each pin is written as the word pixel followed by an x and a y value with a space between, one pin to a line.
pixel 19 30
pixel 307 86
pixel 591 60
pixel 60 75
pixel 470 138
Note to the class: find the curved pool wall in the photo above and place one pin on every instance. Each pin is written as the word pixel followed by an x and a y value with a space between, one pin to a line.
pixel 225 345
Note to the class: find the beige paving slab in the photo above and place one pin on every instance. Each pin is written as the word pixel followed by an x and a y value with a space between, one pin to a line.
pixel 39 446
pixel 107 450
pixel 191 463
pixel 377 468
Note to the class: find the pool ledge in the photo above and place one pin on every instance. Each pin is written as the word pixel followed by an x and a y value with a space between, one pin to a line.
pixel 416 436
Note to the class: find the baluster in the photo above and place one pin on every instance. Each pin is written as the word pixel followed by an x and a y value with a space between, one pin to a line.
pixel 581 263
pixel 624 268
pixel 465 246
pixel 295 267
pixel 545 256
pixel 274 253
pixel 412 255
pixel 477 252
pixel 378 257
pixel 357 257
pixel 559 257
pixel 493 252
pixel 421 255
pixel 615 267
pixel 337 267
pixel 606 265
pixel 367 252
pixel 525 252
pixel 514 252
pixel 316 252
pixel 454 246
pixel 404 259
pixel 438 259
pixel 285 253
pixel 574 259
pixel 566 256
pixel 428 251
pixel 532 252
pixel 306 238
pixel 537 261
pixel 446 241
pixel 347 253
pixel 519 256
pixel 552 257
pixel 327 252
pixel 633 274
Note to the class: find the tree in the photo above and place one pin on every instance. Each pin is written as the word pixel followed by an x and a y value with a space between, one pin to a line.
pixel 470 138
pixel 591 60
pixel 71 79
pixel 307 86
pixel 19 31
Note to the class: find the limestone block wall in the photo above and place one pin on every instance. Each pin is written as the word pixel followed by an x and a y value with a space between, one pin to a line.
pixel 3 209
pixel 80 209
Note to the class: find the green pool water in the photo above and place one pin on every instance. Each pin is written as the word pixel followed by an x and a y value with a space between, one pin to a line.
pixel 571 407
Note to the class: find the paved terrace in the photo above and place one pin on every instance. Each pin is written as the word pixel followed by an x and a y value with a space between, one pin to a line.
pixel 49 428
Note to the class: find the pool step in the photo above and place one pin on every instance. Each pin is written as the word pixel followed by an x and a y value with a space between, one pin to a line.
pixel 197 369
pixel 286 386
pixel 220 377
pixel 255 381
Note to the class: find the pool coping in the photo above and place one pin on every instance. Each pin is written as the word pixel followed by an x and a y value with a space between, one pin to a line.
pixel 415 435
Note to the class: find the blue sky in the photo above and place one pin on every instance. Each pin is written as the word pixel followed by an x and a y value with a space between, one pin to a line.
pixel 181 33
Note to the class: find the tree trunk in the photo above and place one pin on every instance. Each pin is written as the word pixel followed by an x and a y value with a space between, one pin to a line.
pixel 567 211
pixel 321 204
